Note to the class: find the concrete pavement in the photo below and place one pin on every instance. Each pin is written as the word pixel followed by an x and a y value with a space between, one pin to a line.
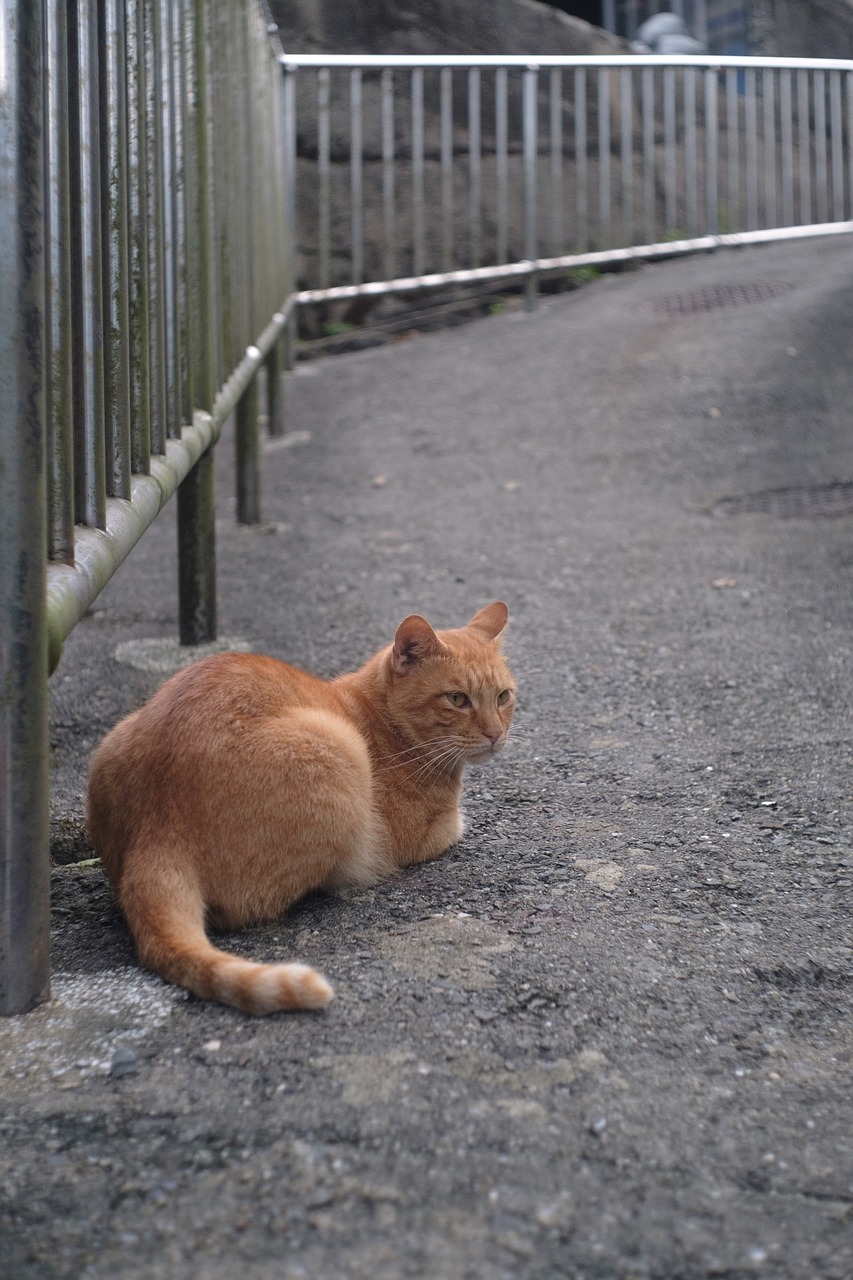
pixel 608 1036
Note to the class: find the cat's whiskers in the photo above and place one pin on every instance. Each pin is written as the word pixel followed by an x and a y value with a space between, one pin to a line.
pixel 520 734
pixel 530 663
pixel 433 752
pixel 519 646
pixel 452 754
pixel 418 753
pixel 434 762
pixel 422 745
pixel 398 759
pixel 528 659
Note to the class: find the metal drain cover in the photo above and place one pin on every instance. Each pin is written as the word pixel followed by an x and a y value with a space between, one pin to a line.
pixel 714 297
pixel 801 502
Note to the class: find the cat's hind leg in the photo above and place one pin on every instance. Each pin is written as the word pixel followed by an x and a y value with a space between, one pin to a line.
pixel 165 911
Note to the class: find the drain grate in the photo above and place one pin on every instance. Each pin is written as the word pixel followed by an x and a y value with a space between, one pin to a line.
pixel 714 297
pixel 801 502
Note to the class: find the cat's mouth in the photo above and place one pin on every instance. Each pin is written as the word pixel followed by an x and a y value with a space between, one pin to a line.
pixel 482 755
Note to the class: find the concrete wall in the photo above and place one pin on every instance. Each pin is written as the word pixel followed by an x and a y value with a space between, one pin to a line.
pixel 435 26
pixel 788 28
pixel 792 28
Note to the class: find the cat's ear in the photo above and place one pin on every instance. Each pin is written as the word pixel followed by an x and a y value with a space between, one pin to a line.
pixel 413 641
pixel 490 621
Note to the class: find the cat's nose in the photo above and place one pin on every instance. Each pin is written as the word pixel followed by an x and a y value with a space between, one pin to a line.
pixel 494 735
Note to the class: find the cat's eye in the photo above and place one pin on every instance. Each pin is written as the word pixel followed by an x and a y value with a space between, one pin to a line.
pixel 504 697
pixel 458 699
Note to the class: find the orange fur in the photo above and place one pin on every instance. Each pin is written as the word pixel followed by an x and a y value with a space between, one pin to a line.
pixel 244 783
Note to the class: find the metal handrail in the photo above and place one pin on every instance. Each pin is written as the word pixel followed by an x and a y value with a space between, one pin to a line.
pixel 191 156
pixel 405 61
pixel 583 161
pixel 144 284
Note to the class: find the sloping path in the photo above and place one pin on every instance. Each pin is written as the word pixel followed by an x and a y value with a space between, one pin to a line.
pixel 609 1035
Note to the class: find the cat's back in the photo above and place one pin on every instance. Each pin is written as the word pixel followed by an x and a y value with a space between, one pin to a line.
pixel 238 685
pixel 195 733
pixel 221 750
pixel 206 703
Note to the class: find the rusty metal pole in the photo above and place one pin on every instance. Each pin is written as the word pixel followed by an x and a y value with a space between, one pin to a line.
pixel 276 390
pixel 24 796
pixel 196 503
pixel 197 620
pixel 248 455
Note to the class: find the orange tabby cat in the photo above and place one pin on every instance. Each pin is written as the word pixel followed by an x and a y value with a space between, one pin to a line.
pixel 244 783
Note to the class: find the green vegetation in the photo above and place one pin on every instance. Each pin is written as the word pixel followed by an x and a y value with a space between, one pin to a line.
pixel 337 328
pixel 584 275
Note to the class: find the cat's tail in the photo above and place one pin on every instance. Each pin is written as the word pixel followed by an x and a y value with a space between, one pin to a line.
pixel 166 918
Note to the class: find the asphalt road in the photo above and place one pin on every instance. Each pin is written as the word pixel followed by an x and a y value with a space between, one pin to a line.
pixel 608 1036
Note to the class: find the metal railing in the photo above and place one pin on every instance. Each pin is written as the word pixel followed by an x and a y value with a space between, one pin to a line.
pixel 455 170
pixel 143 285
pixel 175 268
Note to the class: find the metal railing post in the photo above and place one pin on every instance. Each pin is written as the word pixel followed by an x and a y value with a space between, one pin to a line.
pixel 712 194
pixel 276 390
pixel 605 189
pixel 140 386
pixel 501 164
pixel 626 149
pixel 24 828
pixel 86 260
pixel 356 175
pixel 58 319
pixel 557 199
pixel 155 216
pixel 196 503
pixel 475 166
pixel 247 441
pixel 530 148
pixel 197 554
pixel 648 125
pixel 389 192
pixel 691 160
pixel 288 108
pixel 116 279
pixel 171 183
pixel 324 176
pixel 446 126
pixel 418 254
pixel 581 162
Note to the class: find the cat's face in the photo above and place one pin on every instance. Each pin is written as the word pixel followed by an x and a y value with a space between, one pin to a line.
pixel 452 691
